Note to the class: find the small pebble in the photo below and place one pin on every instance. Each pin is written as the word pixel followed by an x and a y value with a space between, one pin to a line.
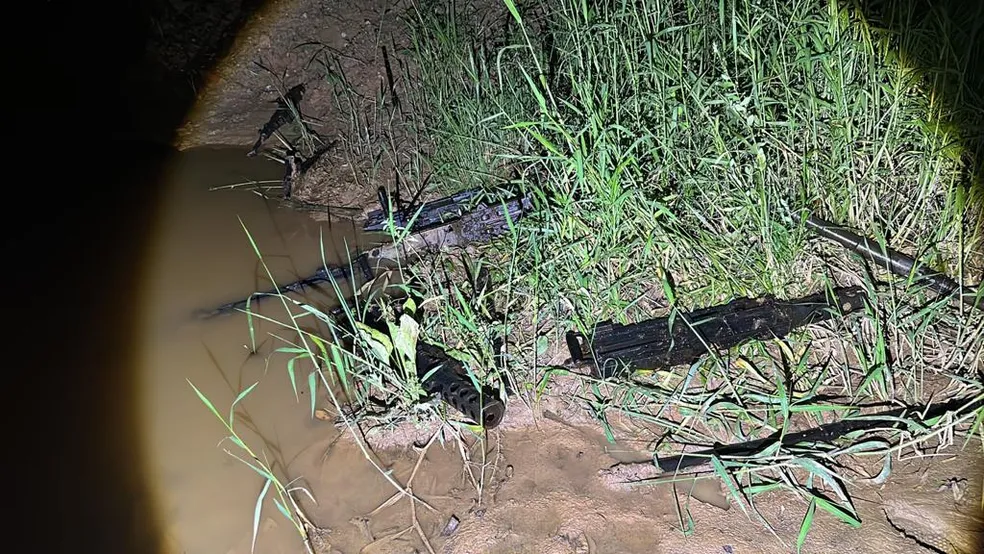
pixel 451 527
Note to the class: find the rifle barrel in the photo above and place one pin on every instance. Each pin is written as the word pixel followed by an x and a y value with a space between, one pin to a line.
pixel 892 260
pixel 322 275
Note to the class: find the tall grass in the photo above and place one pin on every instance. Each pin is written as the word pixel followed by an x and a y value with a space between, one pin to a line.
pixel 674 149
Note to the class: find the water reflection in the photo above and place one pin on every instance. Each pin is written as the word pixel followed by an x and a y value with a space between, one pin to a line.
pixel 201 257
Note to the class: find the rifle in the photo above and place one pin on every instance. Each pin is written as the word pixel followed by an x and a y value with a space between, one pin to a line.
pixel 893 260
pixel 435 212
pixel 825 433
pixel 284 114
pixel 440 374
pixel 683 338
pixel 457 220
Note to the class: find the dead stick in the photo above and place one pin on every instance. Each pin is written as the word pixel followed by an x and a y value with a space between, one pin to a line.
pixel 413 498
pixel 416 524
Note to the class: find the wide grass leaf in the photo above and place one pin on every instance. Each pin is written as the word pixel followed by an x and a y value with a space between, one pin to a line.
pixel 805 525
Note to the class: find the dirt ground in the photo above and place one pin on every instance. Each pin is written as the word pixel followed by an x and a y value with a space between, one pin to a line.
pixel 553 486
pixel 327 47
pixel 546 493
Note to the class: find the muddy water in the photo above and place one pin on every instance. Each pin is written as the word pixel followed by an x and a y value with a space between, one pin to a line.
pixel 200 258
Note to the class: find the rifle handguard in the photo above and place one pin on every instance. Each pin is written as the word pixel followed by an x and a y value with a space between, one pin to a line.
pixel 668 341
pixel 465 205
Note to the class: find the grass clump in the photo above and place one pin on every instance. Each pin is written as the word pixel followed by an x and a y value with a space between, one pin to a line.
pixel 673 150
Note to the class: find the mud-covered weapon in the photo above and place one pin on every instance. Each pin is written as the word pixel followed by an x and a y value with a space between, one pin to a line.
pixel 337 273
pixel 440 374
pixel 435 212
pixel 473 215
pixel 458 220
pixel 445 376
pixel 892 260
pixel 287 105
pixel 682 338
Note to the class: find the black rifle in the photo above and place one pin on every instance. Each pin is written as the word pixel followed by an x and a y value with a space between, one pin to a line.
pixel 893 260
pixel 891 419
pixel 440 374
pixel 433 213
pixel 682 339
pixel 451 221
pixel 287 105
pixel 322 275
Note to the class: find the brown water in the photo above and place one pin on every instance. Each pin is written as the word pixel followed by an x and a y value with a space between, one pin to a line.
pixel 200 258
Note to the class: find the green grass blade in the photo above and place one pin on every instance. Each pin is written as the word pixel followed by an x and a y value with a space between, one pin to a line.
pixel 240 396
pixel 313 388
pixel 282 508
pixel 838 511
pixel 208 403
pixel 805 525
pixel 290 373
pixel 256 513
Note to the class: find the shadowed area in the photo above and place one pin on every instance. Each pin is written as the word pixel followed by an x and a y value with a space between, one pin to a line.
pixel 102 94
pixel 944 41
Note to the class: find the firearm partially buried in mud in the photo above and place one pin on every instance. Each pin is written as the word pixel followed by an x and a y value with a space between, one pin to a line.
pixel 683 338
pixel 458 220
pixel 445 376
pixel 440 374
